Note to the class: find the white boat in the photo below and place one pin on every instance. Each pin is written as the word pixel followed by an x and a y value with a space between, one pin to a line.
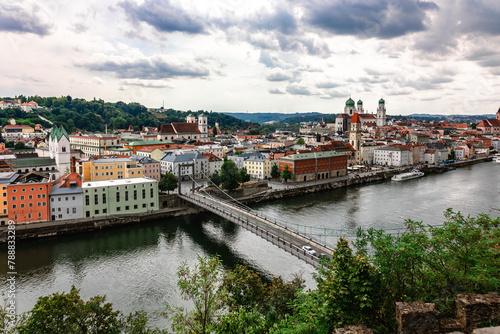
pixel 407 176
pixel 496 157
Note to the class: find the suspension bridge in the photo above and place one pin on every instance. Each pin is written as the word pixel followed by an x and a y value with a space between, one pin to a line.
pixel 289 236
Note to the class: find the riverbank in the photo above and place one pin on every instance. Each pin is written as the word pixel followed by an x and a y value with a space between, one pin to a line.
pixel 172 206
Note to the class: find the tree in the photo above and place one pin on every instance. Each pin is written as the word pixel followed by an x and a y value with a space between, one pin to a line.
pixel 168 182
pixel 286 175
pixel 19 145
pixel 68 313
pixel 9 144
pixel 201 286
pixel 214 131
pixel 215 178
pixel 243 175
pixel 300 141
pixel 275 171
pixel 229 175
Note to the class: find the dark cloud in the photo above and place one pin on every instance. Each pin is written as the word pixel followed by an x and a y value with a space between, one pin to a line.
pixel 279 75
pixel 374 19
pixel 280 21
pixel 164 16
pixel 484 57
pixel 152 68
pixel 297 89
pixel 20 17
pixel 276 91
pixel 145 83
pixel 479 16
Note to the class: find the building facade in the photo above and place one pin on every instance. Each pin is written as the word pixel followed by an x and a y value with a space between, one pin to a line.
pixel 314 166
pixel 117 197
pixel 28 196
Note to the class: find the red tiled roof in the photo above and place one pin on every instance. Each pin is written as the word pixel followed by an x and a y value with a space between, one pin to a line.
pixel 367 116
pixel 355 118
pixel 186 127
pixel 211 157
pixel 16 126
pixel 166 128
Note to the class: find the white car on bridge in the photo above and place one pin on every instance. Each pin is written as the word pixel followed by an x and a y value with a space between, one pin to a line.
pixel 309 250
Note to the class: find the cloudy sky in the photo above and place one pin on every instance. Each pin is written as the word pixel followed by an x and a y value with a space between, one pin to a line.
pixel 257 56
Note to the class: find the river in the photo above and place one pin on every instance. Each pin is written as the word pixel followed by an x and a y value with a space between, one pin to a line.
pixel 135 266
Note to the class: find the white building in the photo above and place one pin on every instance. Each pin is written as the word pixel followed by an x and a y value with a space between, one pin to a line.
pixel 392 156
pixel 93 144
pixel 171 162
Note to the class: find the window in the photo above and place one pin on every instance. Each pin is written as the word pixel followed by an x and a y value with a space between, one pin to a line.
pixel 13 198
pixel 14 190
pixel 67 211
pixel 152 204
pixel 22 198
pixel 74 210
pixel 135 195
pixel 87 200
pixel 143 193
pixel 29 215
pixel 23 190
pixel 53 209
pixel 118 208
pixel 40 188
pixel 143 205
pixel 59 209
pixel 135 206
pixel 126 196
pixel 96 212
pixel 73 198
pixel 151 195
pixel 127 208
pixel 39 214
pixel 22 205
pixel 31 205
pixel 39 204
pixel 52 199
pixel 59 199
pixel 103 198
pixel 104 210
pixel 15 216
pixel 59 216
pixel 96 199
pixel 118 196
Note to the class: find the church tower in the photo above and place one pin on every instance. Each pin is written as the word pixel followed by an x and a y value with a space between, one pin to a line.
pixel 355 137
pixel 59 149
pixel 381 117
pixel 349 108
pixel 203 126
pixel 360 107
pixel 190 119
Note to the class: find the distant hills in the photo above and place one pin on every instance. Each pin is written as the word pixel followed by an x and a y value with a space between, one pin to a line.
pixel 264 117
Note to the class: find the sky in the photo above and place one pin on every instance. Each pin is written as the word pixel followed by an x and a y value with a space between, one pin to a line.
pixel 436 57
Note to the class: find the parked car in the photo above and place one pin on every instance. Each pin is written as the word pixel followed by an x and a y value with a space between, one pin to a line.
pixel 309 250
pixel 324 256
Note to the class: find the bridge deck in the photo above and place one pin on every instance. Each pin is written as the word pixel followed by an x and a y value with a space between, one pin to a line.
pixel 281 236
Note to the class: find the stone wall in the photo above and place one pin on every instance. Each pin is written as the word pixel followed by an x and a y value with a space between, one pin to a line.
pixel 472 311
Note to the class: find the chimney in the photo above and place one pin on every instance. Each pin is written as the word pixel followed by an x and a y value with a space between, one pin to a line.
pixel 73 165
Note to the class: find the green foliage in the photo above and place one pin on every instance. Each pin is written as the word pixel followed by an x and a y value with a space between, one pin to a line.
pixel 9 144
pixel 201 286
pixel 243 175
pixel 137 323
pixel 68 313
pixel 229 175
pixel 300 141
pixel 20 145
pixel 434 264
pixel 275 171
pixel 215 179
pixel 286 175
pixel 168 182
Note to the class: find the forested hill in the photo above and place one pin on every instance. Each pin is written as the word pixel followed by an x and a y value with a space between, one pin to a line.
pixel 93 116
pixel 281 117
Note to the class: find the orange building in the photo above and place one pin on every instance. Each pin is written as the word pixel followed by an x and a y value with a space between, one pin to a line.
pixel 28 198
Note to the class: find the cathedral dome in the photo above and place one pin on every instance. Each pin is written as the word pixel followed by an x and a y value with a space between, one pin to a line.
pixel 349 103
pixel 360 102
pixel 381 101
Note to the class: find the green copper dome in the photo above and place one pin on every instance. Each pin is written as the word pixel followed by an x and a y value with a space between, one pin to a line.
pixel 360 102
pixel 381 101
pixel 349 103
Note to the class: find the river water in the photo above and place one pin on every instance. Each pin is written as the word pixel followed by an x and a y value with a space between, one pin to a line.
pixel 135 266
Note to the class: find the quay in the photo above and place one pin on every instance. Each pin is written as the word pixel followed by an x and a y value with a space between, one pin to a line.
pixel 175 206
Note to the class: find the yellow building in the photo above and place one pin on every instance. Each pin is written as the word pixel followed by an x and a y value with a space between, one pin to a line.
pixel 259 167
pixel 109 168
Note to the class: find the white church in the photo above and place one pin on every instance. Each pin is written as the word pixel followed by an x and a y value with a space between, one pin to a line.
pixel 343 121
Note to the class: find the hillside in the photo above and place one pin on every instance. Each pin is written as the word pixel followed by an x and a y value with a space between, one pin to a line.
pixel 94 115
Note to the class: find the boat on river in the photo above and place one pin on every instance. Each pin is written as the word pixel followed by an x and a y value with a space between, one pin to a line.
pixel 496 158
pixel 407 176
